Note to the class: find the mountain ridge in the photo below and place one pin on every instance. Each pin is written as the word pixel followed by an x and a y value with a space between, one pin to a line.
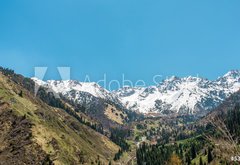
pixel 187 95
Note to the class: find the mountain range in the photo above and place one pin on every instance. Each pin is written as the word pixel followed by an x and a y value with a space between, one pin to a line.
pixel 175 95
pixel 72 122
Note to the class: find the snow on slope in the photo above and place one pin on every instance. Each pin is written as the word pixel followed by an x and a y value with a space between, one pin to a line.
pixel 231 80
pixel 69 85
pixel 82 92
pixel 180 95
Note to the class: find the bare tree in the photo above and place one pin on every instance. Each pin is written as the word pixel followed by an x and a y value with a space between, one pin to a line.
pixel 226 144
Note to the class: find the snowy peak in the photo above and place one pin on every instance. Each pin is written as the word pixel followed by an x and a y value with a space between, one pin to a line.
pixel 235 74
pixel 231 80
pixel 74 89
pixel 38 81
pixel 173 95
pixel 181 95
pixel 175 84
pixel 69 85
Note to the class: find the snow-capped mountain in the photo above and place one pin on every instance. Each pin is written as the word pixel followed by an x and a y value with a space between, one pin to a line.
pixel 80 92
pixel 230 81
pixel 179 95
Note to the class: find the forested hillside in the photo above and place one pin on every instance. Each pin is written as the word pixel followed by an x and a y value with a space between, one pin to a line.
pixel 34 132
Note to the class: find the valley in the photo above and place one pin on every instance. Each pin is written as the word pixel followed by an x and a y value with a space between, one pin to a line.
pixel 70 122
pixel 119 82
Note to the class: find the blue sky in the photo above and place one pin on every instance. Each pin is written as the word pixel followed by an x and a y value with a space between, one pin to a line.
pixel 140 38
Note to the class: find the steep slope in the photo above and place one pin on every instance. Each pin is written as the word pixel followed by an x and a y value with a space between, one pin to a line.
pixel 222 129
pixel 75 90
pixel 223 109
pixel 95 101
pixel 35 132
pixel 15 140
pixel 230 81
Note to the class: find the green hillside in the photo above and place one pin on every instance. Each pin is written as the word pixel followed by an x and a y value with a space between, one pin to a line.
pixel 32 131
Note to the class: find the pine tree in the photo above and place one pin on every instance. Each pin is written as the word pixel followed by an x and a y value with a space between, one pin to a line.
pixel 210 157
pixel 200 161
pixel 21 94
pixel 193 151
pixel 188 160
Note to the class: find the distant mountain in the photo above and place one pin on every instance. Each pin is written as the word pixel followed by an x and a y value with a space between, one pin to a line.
pixel 92 99
pixel 180 95
pixel 78 91
pixel 188 95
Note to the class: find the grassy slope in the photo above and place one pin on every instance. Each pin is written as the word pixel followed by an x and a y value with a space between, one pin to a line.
pixel 60 135
pixel 114 114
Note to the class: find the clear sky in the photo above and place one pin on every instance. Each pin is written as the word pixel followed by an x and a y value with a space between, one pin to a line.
pixel 139 38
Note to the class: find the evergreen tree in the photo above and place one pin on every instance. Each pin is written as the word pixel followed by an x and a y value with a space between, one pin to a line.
pixel 193 152
pixel 200 161
pixel 20 94
pixel 210 157
pixel 188 160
